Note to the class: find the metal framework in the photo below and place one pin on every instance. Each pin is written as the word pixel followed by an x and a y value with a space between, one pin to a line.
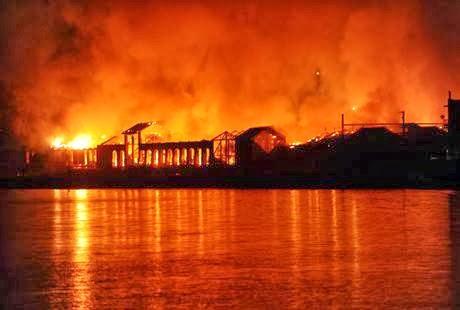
pixel 224 147
pixel 403 124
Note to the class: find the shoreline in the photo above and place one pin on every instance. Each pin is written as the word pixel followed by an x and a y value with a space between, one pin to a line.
pixel 231 182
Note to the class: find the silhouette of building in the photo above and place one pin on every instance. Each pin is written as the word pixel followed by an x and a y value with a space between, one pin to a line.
pixel 256 144
pixel 453 125
pixel 380 149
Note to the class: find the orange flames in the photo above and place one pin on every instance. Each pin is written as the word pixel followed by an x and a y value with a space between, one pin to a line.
pixel 101 66
pixel 80 142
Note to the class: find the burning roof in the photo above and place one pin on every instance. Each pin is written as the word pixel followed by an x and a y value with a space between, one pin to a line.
pixel 136 128
pixel 254 131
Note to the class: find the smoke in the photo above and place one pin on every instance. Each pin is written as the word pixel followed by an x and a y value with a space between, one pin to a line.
pixel 204 67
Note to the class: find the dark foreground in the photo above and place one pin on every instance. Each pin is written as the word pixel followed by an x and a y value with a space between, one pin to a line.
pixel 190 248
pixel 375 174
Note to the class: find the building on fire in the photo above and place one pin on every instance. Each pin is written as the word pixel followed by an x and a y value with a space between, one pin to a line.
pixel 368 149
pixel 136 148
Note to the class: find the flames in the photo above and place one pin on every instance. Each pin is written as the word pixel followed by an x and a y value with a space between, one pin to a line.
pixel 100 66
pixel 79 142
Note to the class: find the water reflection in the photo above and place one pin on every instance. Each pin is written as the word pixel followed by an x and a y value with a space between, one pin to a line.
pixel 157 223
pixel 454 214
pixel 200 224
pixel 295 245
pixel 356 246
pixel 81 277
pixel 241 248
pixel 57 225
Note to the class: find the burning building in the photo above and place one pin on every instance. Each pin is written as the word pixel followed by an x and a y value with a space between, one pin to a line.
pixel 256 143
pixel 135 148
pixel 138 150
pixel 372 150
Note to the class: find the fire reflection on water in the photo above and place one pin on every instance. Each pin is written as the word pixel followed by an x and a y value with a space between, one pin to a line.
pixel 157 223
pixel 274 203
pixel 286 245
pixel 81 277
pixel 178 220
pixel 334 220
pixel 335 241
pixel 295 239
pixel 355 238
pixel 200 224
pixel 57 221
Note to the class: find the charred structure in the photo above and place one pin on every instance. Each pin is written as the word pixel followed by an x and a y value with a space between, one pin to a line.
pixel 225 150
pixel 392 151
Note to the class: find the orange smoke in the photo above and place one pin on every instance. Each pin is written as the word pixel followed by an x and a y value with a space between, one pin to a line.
pixel 205 67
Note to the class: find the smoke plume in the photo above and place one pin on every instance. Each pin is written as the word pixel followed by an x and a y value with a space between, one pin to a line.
pixel 203 67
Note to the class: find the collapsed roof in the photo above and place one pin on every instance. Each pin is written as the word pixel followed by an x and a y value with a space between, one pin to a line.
pixel 136 128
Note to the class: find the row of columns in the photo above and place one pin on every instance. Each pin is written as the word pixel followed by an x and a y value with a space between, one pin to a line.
pixel 81 158
pixel 166 157
pixel 90 157
pixel 174 157
pixel 118 159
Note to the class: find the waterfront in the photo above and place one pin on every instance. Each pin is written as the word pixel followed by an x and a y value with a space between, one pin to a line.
pixel 242 248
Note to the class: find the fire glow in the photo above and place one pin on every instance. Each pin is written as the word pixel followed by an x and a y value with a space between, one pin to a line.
pixel 221 70
pixel 80 142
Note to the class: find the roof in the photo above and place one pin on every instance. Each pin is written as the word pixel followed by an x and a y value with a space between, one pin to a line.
pixel 113 141
pixel 426 131
pixel 136 128
pixel 225 135
pixel 254 131
pixel 375 135
pixel 373 130
pixel 376 131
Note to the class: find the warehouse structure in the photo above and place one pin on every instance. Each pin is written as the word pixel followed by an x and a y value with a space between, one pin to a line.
pixel 135 148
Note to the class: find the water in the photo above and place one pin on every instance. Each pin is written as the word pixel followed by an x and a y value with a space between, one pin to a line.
pixel 238 248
